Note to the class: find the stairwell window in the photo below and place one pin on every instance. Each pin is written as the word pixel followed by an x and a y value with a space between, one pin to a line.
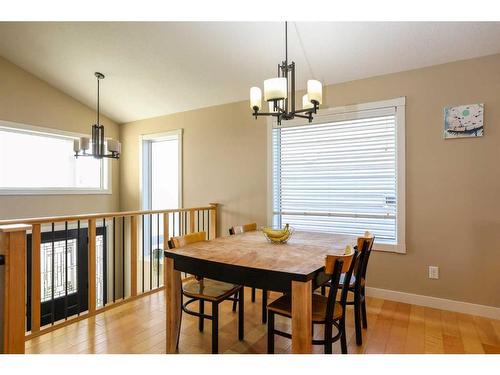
pixel 343 173
pixel 37 160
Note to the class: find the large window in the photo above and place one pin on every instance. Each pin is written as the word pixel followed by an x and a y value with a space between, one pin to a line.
pixel 344 173
pixel 40 161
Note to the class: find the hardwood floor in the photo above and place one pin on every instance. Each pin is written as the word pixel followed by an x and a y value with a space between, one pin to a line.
pixel 139 327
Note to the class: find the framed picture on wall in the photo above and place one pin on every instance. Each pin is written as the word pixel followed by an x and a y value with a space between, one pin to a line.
pixel 464 121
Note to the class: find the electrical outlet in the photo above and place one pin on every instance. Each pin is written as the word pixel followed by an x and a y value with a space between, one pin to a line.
pixel 433 272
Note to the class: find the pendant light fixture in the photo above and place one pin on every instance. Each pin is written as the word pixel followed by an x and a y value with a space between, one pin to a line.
pixel 82 145
pixel 279 92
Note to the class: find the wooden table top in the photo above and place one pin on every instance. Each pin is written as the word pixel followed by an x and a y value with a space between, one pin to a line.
pixel 303 255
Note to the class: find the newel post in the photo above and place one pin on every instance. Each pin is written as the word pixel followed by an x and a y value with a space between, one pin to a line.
pixel 213 220
pixel 13 249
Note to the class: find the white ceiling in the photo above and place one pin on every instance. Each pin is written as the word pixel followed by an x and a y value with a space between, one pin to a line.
pixel 156 68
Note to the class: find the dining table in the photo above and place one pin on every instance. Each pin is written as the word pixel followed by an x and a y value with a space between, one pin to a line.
pixel 249 259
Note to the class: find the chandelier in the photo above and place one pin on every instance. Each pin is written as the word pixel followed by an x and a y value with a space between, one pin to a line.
pixel 82 145
pixel 280 93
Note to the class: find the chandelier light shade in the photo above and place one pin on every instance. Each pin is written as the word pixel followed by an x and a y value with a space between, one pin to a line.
pixel 314 91
pixel 306 103
pixel 255 98
pixel 100 148
pixel 279 92
pixel 275 89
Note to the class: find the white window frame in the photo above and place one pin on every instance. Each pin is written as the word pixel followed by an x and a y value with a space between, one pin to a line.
pixel 106 165
pixel 172 134
pixel 344 113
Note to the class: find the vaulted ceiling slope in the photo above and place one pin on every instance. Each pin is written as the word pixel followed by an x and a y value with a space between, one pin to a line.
pixel 156 68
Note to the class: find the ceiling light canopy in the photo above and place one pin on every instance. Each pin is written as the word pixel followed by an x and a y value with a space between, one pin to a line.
pixel 279 92
pixel 97 142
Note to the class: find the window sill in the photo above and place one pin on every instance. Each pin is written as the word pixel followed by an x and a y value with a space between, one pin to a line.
pixel 390 248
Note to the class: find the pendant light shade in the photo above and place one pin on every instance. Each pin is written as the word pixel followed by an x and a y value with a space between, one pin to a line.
pixel 315 91
pixel 306 103
pixel 255 98
pixel 275 89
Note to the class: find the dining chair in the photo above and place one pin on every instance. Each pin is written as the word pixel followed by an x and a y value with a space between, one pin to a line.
pixel 326 310
pixel 203 290
pixel 243 229
pixel 356 285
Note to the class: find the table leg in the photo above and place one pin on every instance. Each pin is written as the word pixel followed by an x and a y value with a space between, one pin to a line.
pixel 173 300
pixel 301 317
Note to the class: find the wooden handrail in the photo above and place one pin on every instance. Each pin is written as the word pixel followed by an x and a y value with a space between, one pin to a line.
pixel 58 219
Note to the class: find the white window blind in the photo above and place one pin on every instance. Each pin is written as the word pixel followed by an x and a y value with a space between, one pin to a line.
pixel 338 176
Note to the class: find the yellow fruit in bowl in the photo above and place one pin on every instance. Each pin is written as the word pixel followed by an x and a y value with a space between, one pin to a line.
pixel 277 235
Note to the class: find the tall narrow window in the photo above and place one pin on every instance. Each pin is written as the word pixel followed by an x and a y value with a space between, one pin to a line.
pixel 343 174
pixel 161 189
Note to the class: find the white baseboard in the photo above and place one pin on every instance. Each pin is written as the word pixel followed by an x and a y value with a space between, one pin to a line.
pixel 434 302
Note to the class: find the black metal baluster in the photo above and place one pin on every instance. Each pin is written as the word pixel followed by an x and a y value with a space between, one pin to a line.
pixel 208 224
pixel 150 251
pixel 173 224
pixel 79 295
pixel 203 220
pixel 114 259
pixel 65 270
pixel 52 305
pixel 143 219
pixel 123 257
pixel 158 250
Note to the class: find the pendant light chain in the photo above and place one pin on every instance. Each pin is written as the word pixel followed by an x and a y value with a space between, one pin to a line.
pixel 97 100
pixel 286 42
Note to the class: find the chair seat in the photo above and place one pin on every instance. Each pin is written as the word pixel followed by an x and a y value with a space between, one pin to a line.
pixel 208 289
pixel 283 306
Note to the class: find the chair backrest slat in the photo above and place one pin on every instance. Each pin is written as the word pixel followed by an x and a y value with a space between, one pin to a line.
pixel 237 229
pixel 365 245
pixel 187 239
pixel 334 265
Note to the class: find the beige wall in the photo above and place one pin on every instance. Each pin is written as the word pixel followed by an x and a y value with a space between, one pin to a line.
pixel 452 186
pixel 26 99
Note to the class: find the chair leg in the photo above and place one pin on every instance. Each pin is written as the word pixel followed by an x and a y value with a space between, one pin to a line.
pixel 323 290
pixel 270 333
pixel 357 320
pixel 235 300
pixel 264 306
pixel 343 338
pixel 241 314
pixel 253 295
pixel 179 333
pixel 201 320
pixel 363 311
pixel 215 328
pixel 328 338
